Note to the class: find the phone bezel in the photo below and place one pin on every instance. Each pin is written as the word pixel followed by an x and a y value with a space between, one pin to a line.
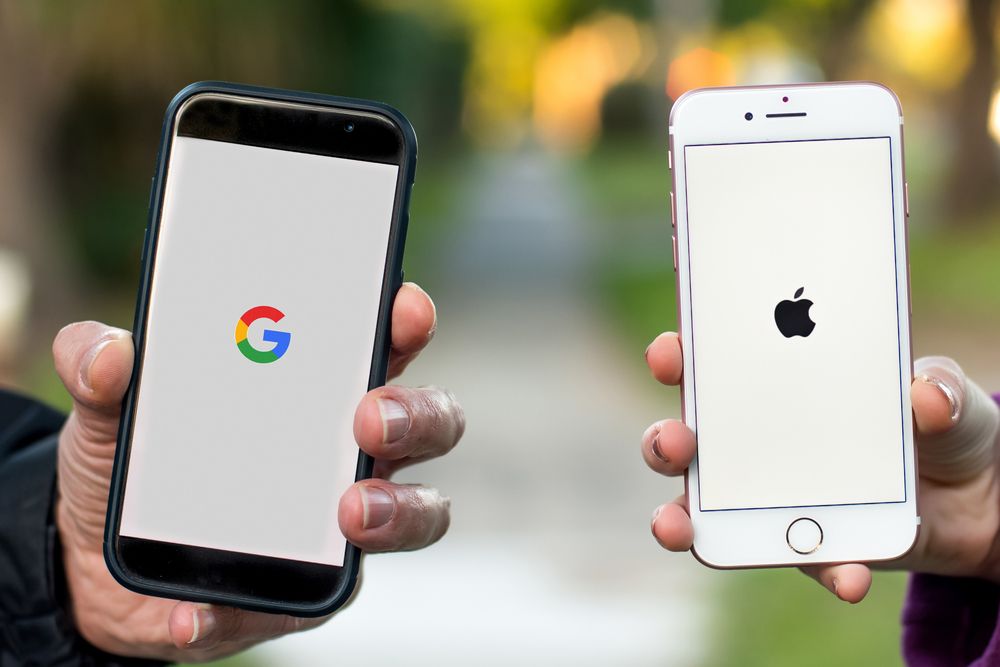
pixel 212 575
pixel 757 537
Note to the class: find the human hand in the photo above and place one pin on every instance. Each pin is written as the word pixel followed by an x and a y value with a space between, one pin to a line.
pixel 957 427
pixel 396 425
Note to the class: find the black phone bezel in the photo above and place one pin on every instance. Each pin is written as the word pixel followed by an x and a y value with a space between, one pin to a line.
pixel 285 120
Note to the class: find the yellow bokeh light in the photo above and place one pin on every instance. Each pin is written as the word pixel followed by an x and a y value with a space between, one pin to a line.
pixel 994 118
pixel 926 39
pixel 506 37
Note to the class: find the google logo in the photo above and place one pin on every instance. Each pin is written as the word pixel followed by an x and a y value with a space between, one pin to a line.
pixel 281 339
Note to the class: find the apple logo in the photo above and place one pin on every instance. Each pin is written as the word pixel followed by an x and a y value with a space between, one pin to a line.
pixel 792 317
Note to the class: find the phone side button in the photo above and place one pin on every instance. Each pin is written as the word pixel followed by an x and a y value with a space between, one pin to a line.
pixel 673 242
pixel 906 198
pixel 804 536
pixel 673 211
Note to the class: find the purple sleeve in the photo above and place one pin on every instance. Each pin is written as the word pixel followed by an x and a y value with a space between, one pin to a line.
pixel 951 621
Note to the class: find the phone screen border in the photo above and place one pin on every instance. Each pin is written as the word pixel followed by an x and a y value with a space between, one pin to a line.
pixel 899 323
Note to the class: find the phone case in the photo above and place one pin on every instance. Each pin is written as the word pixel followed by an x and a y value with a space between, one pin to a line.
pixel 392 280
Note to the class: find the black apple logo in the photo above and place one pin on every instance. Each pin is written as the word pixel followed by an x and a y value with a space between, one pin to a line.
pixel 792 317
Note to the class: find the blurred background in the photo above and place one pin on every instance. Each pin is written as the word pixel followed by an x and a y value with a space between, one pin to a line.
pixel 540 225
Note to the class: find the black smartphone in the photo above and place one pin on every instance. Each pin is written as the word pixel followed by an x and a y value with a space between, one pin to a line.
pixel 272 257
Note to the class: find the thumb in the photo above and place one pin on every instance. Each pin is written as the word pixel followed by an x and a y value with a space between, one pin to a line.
pixel 957 422
pixel 94 362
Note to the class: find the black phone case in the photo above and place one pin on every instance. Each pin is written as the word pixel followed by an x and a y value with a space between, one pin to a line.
pixel 391 281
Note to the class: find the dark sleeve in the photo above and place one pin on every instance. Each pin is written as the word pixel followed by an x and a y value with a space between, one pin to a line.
pixel 951 622
pixel 35 628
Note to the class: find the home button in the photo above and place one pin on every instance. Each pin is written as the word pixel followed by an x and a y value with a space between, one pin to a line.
pixel 804 536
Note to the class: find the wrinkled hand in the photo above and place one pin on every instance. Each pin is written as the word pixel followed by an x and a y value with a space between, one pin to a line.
pixel 957 449
pixel 396 425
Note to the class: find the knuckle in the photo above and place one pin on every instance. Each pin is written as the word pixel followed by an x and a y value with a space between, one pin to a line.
pixel 445 416
pixel 427 519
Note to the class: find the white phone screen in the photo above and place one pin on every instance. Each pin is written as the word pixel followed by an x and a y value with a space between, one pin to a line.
pixel 243 435
pixel 795 405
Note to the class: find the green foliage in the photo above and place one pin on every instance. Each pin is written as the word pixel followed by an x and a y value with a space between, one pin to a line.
pixel 793 12
pixel 774 618
pixel 643 303
pixel 956 270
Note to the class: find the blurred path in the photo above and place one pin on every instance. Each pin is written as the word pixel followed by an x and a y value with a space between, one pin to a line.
pixel 549 560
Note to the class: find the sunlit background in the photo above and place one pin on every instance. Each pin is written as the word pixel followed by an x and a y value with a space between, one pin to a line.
pixel 540 225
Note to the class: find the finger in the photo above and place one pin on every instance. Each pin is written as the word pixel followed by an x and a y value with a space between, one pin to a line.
pixel 956 420
pixel 377 515
pixel 94 362
pixel 850 582
pixel 668 447
pixel 664 358
pixel 672 527
pixel 395 423
pixel 414 321
pixel 204 629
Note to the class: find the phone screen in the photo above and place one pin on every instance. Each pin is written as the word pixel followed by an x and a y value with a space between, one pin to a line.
pixel 795 323
pixel 260 331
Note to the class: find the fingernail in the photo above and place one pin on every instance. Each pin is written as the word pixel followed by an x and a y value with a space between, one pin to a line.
pixel 377 507
pixel 656 448
pixel 395 419
pixel 645 355
pixel 656 513
pixel 434 324
pixel 203 621
pixel 433 329
pixel 90 356
pixel 836 585
pixel 949 393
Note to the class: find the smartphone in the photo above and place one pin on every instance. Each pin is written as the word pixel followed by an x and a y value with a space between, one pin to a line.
pixel 272 257
pixel 789 210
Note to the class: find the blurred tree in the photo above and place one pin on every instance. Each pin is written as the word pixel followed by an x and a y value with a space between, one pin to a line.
pixel 86 85
pixel 975 173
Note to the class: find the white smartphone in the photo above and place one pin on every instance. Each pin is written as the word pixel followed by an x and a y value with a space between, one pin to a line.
pixel 789 207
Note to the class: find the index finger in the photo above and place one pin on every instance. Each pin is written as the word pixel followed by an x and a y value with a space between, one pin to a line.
pixel 414 320
pixel 664 358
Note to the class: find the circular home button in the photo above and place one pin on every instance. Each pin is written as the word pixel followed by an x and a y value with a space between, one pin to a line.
pixel 804 536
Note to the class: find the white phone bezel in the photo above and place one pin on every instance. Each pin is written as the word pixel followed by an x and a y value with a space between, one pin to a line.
pixel 757 537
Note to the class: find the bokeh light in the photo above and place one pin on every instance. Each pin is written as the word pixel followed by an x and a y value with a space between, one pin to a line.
pixel 925 39
pixel 698 68
pixel 575 72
